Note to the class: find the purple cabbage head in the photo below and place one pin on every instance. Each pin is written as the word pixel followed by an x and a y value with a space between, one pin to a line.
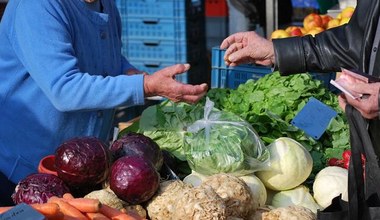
pixel 38 188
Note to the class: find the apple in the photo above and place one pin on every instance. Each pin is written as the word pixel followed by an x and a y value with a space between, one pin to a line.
pixel 333 23
pixel 315 31
pixel 339 16
pixel 303 30
pixel 347 12
pixel 279 33
pixel 312 20
pixel 290 29
pixel 344 21
pixel 296 32
pixel 325 20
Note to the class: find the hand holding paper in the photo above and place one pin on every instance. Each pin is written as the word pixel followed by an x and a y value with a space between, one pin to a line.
pixel 347 82
pixel 358 85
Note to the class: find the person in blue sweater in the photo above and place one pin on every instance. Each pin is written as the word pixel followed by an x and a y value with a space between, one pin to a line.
pixel 62 75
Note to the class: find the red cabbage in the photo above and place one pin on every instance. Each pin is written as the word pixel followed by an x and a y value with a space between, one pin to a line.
pixel 133 143
pixel 82 163
pixel 38 188
pixel 134 179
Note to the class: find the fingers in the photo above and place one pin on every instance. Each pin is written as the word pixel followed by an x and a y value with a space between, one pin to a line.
pixel 238 55
pixel 230 51
pixel 188 93
pixel 230 40
pixel 342 102
pixel 368 107
pixel 175 69
pixel 365 88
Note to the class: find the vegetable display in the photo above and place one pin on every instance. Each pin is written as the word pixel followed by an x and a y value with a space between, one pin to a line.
pixel 236 155
pixel 222 142
pixel 162 205
pixel 299 196
pixel 134 179
pixel 239 201
pixel 290 212
pixel 133 143
pixel 166 124
pixel 257 188
pixel 329 183
pixel 219 196
pixel 82 163
pixel 38 188
pixel 289 166
pixel 69 207
pixel 271 102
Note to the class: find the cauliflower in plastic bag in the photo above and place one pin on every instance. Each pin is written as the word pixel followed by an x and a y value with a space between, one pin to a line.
pixel 222 142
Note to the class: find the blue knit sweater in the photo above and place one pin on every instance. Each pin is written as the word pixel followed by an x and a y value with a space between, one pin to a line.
pixel 61 76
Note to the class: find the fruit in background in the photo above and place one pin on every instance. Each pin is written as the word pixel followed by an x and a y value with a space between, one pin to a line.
pixel 325 20
pixel 344 21
pixel 290 28
pixel 315 31
pixel 347 12
pixel 296 32
pixel 339 16
pixel 303 30
pixel 279 33
pixel 311 21
pixel 333 23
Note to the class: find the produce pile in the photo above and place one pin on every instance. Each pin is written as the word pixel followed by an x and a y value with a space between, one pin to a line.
pixel 234 155
pixel 270 103
pixel 314 23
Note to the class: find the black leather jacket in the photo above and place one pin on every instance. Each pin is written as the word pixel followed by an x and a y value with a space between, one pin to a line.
pixel 347 46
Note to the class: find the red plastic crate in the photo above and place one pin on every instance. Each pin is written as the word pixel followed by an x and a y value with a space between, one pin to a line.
pixel 216 8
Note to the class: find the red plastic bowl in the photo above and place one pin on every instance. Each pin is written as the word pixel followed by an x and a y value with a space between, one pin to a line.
pixel 46 165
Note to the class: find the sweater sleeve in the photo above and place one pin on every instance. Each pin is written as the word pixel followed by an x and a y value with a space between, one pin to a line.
pixel 43 42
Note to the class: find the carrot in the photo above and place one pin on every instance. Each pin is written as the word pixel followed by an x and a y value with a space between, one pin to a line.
pixel 68 196
pixel 85 204
pixel 116 214
pixel 50 210
pixel 96 216
pixel 67 209
pixel 47 209
pixel 5 208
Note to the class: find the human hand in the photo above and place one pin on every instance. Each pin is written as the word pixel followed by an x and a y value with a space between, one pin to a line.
pixel 368 105
pixel 247 47
pixel 163 83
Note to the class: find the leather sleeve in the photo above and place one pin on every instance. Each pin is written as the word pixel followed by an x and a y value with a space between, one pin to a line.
pixel 345 46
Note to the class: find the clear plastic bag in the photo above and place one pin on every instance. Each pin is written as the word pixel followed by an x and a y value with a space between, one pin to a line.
pixel 222 142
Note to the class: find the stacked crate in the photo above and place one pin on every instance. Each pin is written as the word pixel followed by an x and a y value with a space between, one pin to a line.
pixel 161 33
pixel 223 76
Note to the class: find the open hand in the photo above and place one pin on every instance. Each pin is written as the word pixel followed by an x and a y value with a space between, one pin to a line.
pixel 163 83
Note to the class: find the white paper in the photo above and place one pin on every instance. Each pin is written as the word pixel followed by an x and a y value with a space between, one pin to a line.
pixel 341 88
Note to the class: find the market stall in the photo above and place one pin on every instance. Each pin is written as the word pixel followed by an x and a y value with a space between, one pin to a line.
pixel 258 146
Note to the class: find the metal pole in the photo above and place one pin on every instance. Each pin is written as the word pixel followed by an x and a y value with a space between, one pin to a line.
pixel 271 7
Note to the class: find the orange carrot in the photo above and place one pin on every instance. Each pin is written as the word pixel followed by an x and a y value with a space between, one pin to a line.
pixel 85 204
pixel 131 213
pixel 47 209
pixel 5 208
pixel 67 209
pixel 68 196
pixel 96 216
pixel 116 214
